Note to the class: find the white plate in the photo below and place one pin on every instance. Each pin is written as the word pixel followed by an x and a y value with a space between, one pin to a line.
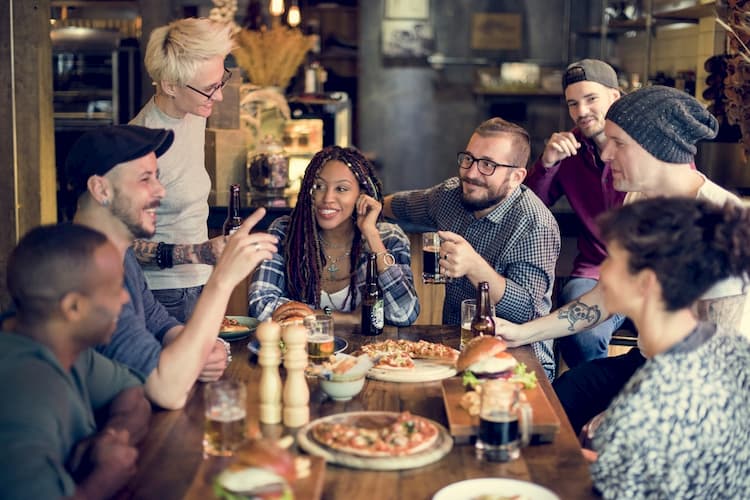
pixel 472 488
pixel 424 371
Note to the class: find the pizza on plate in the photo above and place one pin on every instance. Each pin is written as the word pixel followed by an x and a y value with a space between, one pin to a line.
pixel 400 354
pixel 232 325
pixel 379 435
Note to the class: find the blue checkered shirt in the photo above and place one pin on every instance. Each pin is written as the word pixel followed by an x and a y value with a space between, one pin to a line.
pixel 519 238
pixel 400 299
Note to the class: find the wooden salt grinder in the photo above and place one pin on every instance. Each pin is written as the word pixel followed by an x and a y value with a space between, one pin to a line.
pixel 296 392
pixel 269 358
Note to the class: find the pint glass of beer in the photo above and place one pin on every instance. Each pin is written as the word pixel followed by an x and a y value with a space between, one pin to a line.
pixel 320 342
pixel 431 259
pixel 224 427
pixel 468 310
pixel 504 422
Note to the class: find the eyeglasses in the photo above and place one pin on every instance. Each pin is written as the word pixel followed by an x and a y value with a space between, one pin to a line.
pixel 215 88
pixel 485 167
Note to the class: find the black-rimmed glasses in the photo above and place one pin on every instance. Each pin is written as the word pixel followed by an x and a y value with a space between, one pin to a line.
pixel 215 88
pixel 485 166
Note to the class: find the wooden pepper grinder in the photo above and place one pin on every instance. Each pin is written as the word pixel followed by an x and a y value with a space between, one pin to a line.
pixel 269 358
pixel 296 393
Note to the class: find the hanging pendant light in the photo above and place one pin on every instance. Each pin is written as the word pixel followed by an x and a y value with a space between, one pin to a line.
pixel 276 8
pixel 294 17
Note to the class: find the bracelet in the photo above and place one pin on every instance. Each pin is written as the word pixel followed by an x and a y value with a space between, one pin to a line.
pixel 388 258
pixel 328 311
pixel 164 255
pixel 227 348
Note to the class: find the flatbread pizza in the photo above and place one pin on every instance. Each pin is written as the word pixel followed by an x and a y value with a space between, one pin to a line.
pixel 389 435
pixel 399 354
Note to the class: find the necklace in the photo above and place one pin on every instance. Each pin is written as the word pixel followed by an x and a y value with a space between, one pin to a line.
pixel 331 245
pixel 332 268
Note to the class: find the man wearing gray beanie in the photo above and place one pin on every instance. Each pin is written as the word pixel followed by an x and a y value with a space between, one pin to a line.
pixel 651 139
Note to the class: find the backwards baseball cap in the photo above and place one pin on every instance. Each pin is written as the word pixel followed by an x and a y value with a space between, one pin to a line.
pixel 590 70
pixel 665 121
pixel 99 151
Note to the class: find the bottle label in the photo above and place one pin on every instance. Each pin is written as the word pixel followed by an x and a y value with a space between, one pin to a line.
pixel 377 315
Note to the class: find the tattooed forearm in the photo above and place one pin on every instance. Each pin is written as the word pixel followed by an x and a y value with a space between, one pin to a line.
pixel 204 252
pixel 145 251
pixel 577 312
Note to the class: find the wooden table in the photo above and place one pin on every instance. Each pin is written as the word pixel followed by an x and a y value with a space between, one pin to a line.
pixel 171 454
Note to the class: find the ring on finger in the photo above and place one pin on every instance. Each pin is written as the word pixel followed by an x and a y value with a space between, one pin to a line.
pixel 256 246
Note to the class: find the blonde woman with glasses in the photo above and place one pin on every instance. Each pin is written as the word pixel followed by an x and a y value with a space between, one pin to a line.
pixel 185 60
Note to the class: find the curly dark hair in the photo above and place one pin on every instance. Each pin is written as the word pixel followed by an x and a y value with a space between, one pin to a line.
pixel 304 254
pixel 689 244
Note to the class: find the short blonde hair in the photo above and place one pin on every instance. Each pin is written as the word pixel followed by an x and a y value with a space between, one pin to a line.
pixel 175 51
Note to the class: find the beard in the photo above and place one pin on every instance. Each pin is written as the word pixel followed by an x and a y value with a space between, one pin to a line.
pixel 492 199
pixel 123 209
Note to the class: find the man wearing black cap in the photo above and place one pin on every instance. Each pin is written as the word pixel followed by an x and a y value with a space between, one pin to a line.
pixel 571 166
pixel 113 172
pixel 651 141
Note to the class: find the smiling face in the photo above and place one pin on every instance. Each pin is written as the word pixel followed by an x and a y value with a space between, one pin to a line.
pixel 588 103
pixel 207 78
pixel 136 193
pixel 481 193
pixel 633 168
pixel 335 194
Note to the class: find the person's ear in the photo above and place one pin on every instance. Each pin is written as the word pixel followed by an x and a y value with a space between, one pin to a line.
pixel 71 306
pixel 100 189
pixel 168 88
pixel 517 175
pixel 649 284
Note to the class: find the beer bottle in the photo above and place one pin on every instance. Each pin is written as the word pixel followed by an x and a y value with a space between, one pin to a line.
pixel 372 301
pixel 483 324
pixel 233 220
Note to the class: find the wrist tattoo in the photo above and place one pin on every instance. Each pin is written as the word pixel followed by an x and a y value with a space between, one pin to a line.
pixel 180 255
pixel 145 251
pixel 578 311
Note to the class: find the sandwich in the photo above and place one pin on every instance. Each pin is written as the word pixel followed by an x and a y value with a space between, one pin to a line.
pixel 291 312
pixel 260 470
pixel 485 357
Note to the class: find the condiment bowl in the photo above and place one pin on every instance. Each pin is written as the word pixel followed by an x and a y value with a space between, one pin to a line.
pixel 342 389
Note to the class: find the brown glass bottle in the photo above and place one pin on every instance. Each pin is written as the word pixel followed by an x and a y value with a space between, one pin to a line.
pixel 372 301
pixel 483 324
pixel 233 220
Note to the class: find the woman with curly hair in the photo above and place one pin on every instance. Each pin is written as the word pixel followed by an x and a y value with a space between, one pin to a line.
pixel 680 427
pixel 322 261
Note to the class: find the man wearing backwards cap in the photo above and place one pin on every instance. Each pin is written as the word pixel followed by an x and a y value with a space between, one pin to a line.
pixel 571 165
pixel 113 173
pixel 651 136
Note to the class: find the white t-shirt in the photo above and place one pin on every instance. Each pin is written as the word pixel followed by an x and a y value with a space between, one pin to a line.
pixel 736 285
pixel 183 214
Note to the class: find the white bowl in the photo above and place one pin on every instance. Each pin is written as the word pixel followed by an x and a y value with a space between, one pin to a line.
pixel 342 390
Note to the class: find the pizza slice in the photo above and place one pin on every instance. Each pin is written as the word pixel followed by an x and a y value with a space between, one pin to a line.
pixel 433 351
pixel 396 360
pixel 231 325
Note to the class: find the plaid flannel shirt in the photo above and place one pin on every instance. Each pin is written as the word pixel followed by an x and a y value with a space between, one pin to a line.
pixel 401 304
pixel 520 239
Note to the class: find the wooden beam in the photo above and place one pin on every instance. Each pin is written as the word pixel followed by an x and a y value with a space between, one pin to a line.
pixel 27 169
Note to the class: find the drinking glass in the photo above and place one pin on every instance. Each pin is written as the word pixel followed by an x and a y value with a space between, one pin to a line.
pixel 504 422
pixel 431 259
pixel 224 427
pixel 320 341
pixel 468 310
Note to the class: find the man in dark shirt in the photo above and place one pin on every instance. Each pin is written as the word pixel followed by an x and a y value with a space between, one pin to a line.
pixel 66 285
pixel 114 174
pixel 571 166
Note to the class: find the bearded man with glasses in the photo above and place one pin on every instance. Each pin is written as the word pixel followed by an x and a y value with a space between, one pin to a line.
pixel 492 228
pixel 185 59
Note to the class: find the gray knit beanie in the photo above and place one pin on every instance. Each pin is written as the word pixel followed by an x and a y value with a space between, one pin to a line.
pixel 666 122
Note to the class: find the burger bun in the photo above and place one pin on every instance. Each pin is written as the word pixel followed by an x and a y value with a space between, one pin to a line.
pixel 486 355
pixel 291 312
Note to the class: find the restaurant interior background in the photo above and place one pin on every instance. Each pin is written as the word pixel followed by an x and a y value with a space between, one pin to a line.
pixel 413 77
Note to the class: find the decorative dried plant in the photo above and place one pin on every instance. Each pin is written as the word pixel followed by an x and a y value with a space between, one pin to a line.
pixel 271 57
pixel 737 81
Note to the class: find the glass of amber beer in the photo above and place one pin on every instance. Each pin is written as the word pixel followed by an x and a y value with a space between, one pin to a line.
pixel 224 428
pixel 431 259
pixel 320 341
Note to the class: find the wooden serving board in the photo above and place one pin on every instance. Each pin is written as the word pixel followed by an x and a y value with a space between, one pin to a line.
pixel 307 442
pixel 463 426
pixel 424 371
pixel 310 486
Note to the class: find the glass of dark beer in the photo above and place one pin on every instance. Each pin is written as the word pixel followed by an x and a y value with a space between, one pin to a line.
pixel 431 259
pixel 504 422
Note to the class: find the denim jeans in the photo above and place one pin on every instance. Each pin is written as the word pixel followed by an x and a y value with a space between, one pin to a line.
pixel 179 302
pixel 588 344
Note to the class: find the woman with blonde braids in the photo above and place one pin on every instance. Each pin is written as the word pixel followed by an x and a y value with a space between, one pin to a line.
pixel 322 260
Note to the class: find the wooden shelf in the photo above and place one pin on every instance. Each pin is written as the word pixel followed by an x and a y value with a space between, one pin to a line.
pixel 687 14
pixel 501 92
